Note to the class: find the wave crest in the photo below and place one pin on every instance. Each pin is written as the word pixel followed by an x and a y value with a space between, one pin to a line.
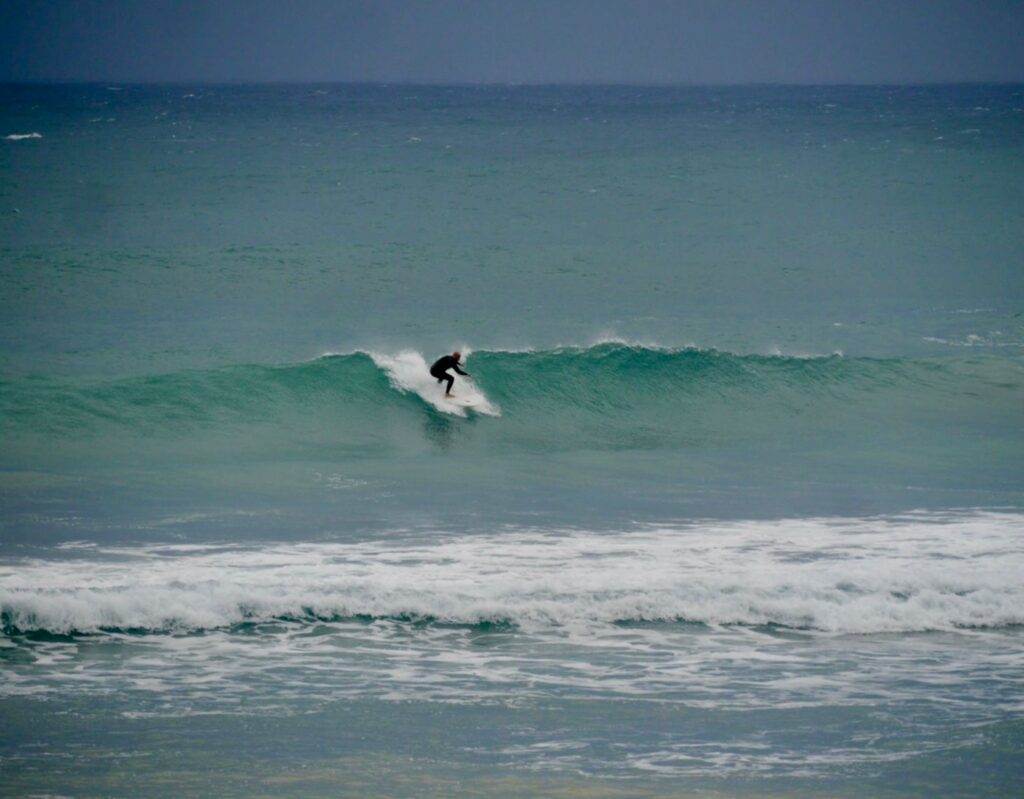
pixel 608 395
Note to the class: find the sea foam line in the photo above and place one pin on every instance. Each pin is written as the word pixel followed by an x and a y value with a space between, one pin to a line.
pixel 910 573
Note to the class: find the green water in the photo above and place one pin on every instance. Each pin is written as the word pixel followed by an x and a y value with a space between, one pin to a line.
pixel 737 513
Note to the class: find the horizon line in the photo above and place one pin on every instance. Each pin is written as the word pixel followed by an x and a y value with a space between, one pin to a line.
pixel 506 84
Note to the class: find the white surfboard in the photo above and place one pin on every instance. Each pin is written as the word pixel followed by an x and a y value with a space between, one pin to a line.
pixel 462 402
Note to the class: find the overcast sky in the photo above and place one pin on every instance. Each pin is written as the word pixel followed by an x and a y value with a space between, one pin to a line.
pixel 528 41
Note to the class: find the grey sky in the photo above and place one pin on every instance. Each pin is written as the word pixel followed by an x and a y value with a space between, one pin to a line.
pixel 551 41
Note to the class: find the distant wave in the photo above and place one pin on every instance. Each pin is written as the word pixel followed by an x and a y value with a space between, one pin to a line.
pixel 20 136
pixel 974 340
pixel 911 573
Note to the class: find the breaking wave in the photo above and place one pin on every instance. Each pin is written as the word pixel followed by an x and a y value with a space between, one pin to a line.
pixel 925 571
pixel 609 395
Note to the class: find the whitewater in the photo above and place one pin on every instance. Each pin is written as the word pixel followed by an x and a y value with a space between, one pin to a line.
pixel 906 574
pixel 870 618
pixel 408 372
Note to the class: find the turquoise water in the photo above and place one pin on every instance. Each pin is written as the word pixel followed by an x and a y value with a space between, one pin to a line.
pixel 738 509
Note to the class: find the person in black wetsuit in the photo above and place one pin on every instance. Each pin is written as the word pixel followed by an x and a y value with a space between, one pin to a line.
pixel 441 367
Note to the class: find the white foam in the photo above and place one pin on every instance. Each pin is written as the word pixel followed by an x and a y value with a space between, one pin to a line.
pixel 338 482
pixel 611 337
pixel 775 351
pixel 563 589
pixel 408 372
pixel 911 573
pixel 975 340
pixel 20 136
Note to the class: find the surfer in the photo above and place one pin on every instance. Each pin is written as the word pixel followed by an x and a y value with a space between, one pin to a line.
pixel 441 367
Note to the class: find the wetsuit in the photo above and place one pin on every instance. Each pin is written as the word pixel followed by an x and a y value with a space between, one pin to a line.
pixel 440 371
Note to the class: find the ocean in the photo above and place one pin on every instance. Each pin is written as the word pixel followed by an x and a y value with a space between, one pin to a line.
pixel 739 511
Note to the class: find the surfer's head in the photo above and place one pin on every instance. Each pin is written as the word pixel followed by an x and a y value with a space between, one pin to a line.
pixel 457 356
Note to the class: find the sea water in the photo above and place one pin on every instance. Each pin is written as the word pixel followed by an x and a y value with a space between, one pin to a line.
pixel 739 510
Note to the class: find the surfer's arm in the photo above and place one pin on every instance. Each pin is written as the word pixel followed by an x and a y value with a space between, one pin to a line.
pixel 457 369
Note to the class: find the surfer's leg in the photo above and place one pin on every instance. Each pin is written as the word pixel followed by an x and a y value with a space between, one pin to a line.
pixel 450 380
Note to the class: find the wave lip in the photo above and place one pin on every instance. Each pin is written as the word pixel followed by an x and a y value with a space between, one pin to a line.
pixel 881 575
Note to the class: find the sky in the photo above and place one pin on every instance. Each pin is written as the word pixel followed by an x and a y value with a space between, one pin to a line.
pixel 513 41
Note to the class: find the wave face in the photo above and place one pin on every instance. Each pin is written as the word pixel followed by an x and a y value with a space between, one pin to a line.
pixel 899 574
pixel 607 396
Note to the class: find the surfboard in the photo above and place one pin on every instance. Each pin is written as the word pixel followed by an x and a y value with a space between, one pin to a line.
pixel 462 402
